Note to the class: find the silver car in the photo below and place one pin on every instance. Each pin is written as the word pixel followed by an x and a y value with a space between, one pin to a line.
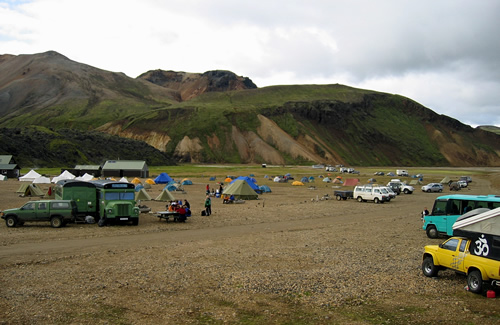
pixel 432 187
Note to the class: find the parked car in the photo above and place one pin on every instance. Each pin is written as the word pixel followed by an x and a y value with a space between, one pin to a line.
pixel 468 179
pixel 432 187
pixel 57 212
pixel 390 192
pixel 473 258
pixel 462 183
pixel 370 193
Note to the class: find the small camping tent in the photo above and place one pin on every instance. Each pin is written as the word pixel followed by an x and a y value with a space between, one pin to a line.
pixel 150 181
pixel 265 189
pixel 142 195
pixel 305 179
pixel 297 183
pixel 327 179
pixel 33 190
pixel 186 181
pixel 445 180
pixel 136 181
pixel 351 182
pixel 124 180
pixel 163 178
pixel 3 178
pixel 240 189
pixel 165 196
pixel 29 177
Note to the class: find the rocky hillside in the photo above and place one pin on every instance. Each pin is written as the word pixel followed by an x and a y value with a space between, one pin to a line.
pixel 190 85
pixel 219 117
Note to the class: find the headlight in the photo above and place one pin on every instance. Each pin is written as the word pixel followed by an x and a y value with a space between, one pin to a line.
pixel 110 211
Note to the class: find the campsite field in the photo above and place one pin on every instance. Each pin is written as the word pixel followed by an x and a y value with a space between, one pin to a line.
pixel 290 257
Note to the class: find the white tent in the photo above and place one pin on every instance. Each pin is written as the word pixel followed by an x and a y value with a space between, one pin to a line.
pixel 124 179
pixel 29 177
pixel 3 177
pixel 41 180
pixel 86 177
pixel 64 175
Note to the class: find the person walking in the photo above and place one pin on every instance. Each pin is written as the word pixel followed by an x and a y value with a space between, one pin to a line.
pixel 208 206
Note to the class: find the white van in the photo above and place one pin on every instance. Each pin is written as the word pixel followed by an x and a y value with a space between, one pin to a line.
pixel 402 172
pixel 376 194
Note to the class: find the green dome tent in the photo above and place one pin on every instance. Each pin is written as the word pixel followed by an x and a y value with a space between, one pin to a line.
pixel 241 190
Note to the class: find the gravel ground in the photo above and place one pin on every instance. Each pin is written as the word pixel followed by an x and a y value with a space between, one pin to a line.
pixel 290 257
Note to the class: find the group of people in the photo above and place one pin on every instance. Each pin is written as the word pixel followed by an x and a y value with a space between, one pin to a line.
pixel 183 209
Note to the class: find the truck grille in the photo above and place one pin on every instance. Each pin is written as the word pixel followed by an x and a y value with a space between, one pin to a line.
pixel 122 210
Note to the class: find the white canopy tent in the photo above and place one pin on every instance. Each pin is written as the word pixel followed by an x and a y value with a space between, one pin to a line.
pixel 64 175
pixel 41 180
pixel 29 177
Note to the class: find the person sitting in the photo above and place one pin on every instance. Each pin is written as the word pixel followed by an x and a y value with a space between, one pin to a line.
pixel 182 214
pixel 188 211
pixel 225 199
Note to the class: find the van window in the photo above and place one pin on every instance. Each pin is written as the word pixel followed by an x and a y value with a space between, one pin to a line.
pixel 60 205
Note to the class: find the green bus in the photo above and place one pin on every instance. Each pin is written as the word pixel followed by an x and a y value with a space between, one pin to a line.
pixel 448 208
pixel 108 200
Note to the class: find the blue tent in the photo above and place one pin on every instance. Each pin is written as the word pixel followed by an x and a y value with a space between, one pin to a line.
pixel 250 181
pixel 311 178
pixel 305 179
pixel 265 189
pixel 187 182
pixel 163 178
pixel 170 188
pixel 138 187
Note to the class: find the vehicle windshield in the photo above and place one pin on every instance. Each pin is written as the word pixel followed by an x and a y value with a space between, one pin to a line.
pixel 114 196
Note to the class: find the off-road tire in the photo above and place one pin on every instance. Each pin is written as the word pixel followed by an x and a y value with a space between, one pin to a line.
pixel 360 199
pixel 339 197
pixel 428 267
pixel 432 232
pixel 475 281
pixel 376 200
pixel 11 221
pixel 135 221
pixel 56 222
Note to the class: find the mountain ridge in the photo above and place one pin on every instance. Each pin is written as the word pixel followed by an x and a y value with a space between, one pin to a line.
pixel 219 117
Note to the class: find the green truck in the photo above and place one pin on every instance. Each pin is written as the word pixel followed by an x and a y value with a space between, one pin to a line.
pixel 105 200
pixel 57 212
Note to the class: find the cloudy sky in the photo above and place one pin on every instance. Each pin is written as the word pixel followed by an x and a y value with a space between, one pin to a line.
pixel 444 54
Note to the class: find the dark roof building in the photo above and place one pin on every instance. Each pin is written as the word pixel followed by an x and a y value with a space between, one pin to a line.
pixel 81 170
pixel 8 167
pixel 127 168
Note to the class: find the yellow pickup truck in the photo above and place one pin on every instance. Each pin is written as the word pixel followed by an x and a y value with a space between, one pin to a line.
pixel 465 256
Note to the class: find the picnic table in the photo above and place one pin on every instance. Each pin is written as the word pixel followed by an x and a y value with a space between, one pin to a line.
pixel 167 215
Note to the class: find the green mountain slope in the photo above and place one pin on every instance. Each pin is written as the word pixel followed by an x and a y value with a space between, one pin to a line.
pixel 198 122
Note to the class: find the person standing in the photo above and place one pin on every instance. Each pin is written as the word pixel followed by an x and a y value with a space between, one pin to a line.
pixel 208 206
pixel 425 212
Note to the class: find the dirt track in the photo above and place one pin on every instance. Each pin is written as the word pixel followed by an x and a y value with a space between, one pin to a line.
pixel 286 257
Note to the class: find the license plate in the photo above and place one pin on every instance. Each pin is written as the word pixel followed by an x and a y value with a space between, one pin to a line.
pixel 123 218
